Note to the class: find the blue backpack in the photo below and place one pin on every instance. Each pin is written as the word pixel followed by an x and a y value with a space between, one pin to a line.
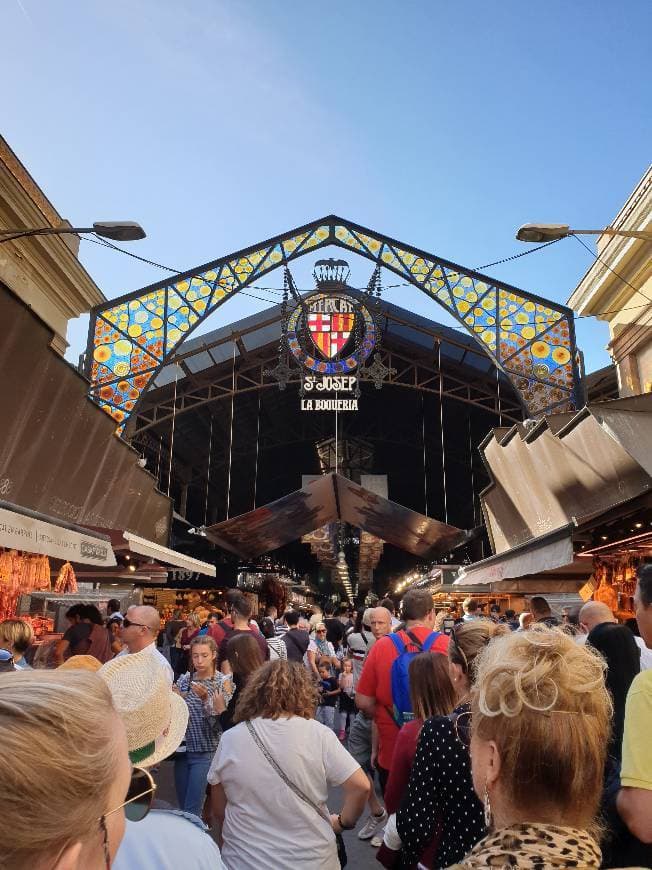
pixel 401 705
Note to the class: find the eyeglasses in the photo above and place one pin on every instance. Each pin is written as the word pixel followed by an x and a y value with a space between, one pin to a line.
pixel 127 623
pixel 137 804
pixel 462 725
pixel 321 631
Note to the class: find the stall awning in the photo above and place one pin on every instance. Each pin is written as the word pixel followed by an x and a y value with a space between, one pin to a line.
pixel 538 556
pixel 126 542
pixel 33 532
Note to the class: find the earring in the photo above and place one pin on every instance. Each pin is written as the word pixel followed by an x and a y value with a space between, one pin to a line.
pixel 487 807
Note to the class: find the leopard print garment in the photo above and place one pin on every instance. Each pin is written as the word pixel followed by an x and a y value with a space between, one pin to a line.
pixel 533 847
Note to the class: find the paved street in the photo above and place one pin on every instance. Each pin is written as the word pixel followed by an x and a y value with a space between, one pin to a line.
pixel 360 854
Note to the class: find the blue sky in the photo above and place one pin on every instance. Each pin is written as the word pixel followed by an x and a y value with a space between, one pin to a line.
pixel 444 124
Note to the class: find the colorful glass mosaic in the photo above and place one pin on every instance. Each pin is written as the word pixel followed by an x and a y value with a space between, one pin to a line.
pixel 529 338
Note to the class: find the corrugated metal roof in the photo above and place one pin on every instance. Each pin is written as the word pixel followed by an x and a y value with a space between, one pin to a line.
pixel 566 468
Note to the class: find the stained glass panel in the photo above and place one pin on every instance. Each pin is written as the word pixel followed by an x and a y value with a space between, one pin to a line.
pixel 531 339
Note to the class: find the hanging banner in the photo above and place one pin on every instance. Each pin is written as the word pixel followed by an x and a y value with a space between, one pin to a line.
pixel 32 535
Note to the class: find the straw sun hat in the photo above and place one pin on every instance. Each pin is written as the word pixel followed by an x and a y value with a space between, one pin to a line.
pixel 81 663
pixel 154 716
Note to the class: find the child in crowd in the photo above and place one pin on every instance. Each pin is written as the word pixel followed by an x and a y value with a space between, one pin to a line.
pixel 328 692
pixel 347 693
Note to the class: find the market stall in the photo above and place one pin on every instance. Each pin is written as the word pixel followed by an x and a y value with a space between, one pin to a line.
pixel 39 554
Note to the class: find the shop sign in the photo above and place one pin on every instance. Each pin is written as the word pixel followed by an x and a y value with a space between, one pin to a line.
pixel 314 389
pixel 181 577
pixel 330 335
pixel 19 532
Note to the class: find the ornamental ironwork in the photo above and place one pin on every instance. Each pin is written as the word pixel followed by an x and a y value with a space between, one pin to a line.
pixel 528 337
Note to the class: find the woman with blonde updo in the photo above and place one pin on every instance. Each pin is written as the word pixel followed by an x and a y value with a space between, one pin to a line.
pixel 440 817
pixel 64 770
pixel 541 722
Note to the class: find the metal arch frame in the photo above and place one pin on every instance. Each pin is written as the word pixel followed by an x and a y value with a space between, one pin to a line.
pixel 146 326
pixel 200 392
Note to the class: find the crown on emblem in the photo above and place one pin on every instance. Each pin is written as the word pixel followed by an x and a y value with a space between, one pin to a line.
pixel 328 273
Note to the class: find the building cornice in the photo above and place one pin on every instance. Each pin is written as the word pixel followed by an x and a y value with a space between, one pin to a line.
pixel 42 270
pixel 600 290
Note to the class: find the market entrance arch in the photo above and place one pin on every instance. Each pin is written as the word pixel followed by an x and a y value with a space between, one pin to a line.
pixel 223 437
pixel 530 339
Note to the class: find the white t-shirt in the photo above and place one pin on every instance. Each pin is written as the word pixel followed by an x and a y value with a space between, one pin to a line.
pixel 151 650
pixel 165 839
pixel 262 812
pixel 646 654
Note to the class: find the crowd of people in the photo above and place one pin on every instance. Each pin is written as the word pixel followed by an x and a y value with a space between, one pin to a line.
pixel 456 740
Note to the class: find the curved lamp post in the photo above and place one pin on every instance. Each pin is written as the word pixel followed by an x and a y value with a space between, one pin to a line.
pixel 553 232
pixel 118 231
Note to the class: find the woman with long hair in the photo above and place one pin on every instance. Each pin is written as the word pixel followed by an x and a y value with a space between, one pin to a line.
pixel 64 769
pixel 244 657
pixel 431 694
pixel 271 775
pixel 541 722
pixel 440 799
pixel 198 687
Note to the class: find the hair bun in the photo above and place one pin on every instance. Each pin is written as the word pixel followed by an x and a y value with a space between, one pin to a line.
pixel 541 670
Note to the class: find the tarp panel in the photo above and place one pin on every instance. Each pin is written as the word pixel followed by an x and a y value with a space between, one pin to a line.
pixel 327 499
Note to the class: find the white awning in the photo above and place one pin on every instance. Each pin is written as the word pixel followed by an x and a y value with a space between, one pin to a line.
pixel 537 556
pixel 31 532
pixel 166 556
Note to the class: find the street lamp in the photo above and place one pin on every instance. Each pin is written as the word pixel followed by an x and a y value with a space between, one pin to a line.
pixel 554 232
pixel 118 231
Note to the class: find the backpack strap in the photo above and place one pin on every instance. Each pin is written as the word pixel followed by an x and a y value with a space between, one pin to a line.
pixel 415 641
pixel 430 640
pixel 398 642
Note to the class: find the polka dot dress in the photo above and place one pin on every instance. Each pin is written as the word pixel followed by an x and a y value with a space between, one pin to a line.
pixel 440 795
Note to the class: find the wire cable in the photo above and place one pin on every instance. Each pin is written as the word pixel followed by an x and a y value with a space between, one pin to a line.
pixel 228 491
pixel 174 417
pixel 104 243
pixel 613 271
pixel 260 393
pixel 208 472
pixel 425 466
pixel 276 290
pixel 441 426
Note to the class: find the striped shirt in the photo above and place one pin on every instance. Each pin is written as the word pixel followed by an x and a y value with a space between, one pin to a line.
pixel 277 648
pixel 203 732
pixel 280 629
